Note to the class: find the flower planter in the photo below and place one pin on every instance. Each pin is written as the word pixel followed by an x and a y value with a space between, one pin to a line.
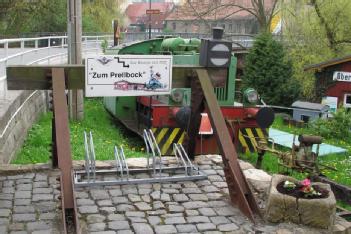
pixel 319 212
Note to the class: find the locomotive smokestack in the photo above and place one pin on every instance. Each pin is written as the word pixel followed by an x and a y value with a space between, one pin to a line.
pixel 217 33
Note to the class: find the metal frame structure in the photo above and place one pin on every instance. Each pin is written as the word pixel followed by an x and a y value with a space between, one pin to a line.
pixel 184 170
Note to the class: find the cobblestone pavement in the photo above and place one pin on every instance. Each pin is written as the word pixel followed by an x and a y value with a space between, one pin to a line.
pixel 182 207
pixel 29 203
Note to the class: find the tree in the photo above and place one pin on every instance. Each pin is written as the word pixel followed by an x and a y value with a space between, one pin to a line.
pixel 98 15
pixel 262 10
pixel 268 70
pixel 315 31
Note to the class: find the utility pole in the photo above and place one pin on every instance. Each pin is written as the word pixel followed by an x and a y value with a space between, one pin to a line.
pixel 74 31
pixel 149 20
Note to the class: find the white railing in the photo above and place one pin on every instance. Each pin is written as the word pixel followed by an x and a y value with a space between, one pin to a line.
pixel 40 50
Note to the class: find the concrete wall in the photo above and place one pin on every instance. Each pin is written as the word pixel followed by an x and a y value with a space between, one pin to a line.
pixel 17 114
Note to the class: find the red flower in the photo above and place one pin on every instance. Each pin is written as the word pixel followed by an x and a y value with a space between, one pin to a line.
pixel 306 182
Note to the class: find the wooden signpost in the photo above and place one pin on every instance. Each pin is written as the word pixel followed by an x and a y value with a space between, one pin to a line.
pixel 61 78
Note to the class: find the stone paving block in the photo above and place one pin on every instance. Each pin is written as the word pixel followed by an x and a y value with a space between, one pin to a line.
pixel 45 206
pixel 219 203
pixel 143 206
pixel 99 194
pixel 42 197
pixel 17 232
pixel 104 232
pixel 88 209
pixel 5 212
pixel 23 209
pixel 28 176
pixel 195 204
pixel 16 227
pixel 220 184
pixel 186 228
pixel 80 194
pixel 104 203
pixel 118 225
pixel 219 220
pixel 188 184
pixel 125 232
pixel 41 177
pixel 207 211
pixel 42 190
pixel 143 191
pixel 141 228
pixel 210 189
pixel 23 217
pixel 8 190
pixel 198 219
pixel 23 194
pixel 5 204
pixel 191 190
pixel 174 220
pixel 115 192
pixel 96 226
pixel 40 184
pixel 205 227
pixel 45 231
pixel 214 196
pixel 135 214
pixel 47 216
pixel 146 198
pixel 3 229
pixel 7 196
pixel 154 220
pixel 116 217
pixel 126 191
pixel 165 197
pixel 180 197
pixel 4 221
pixel 198 197
pixel 40 225
pixel 84 202
pixel 23 181
pixel 191 212
pixel 95 218
pixel 156 212
pixel 165 229
pixel 125 207
pixel 22 202
pixel 170 190
pixel 175 208
pixel 227 227
pixel 8 183
pixel 107 209
pixel 158 205
pixel 24 187
pixel 134 198
pixel 120 200
pixel 137 220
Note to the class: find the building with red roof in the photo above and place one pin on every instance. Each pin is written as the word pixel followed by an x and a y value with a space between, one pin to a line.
pixel 199 16
pixel 138 20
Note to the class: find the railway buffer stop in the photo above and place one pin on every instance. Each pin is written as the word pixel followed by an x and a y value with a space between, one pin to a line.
pixel 60 78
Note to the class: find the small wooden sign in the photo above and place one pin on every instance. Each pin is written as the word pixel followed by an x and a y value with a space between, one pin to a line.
pixel 153 12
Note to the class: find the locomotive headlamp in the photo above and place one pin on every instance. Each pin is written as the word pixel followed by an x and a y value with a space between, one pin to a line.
pixel 215 52
pixel 251 96
pixel 177 95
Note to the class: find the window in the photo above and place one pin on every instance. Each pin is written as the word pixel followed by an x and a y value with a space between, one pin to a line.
pixel 347 100
pixel 305 118
pixel 174 26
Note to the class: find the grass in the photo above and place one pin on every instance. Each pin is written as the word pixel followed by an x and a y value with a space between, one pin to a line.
pixel 342 162
pixel 106 133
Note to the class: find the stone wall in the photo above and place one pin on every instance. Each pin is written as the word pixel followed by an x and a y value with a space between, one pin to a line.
pixel 17 114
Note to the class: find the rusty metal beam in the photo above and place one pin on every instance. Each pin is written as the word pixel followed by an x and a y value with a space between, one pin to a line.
pixel 62 141
pixel 239 190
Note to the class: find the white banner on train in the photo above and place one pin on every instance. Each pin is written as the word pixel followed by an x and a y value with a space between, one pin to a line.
pixel 128 75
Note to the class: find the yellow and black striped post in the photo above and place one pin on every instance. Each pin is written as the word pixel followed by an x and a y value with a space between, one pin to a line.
pixel 249 137
pixel 165 137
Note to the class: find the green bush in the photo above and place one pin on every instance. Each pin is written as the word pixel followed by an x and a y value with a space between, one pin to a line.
pixel 269 71
pixel 337 127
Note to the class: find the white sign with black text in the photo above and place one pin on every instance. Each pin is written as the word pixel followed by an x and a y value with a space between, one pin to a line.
pixel 128 75
pixel 342 76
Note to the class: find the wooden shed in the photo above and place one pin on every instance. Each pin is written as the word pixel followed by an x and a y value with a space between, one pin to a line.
pixel 307 111
pixel 333 79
